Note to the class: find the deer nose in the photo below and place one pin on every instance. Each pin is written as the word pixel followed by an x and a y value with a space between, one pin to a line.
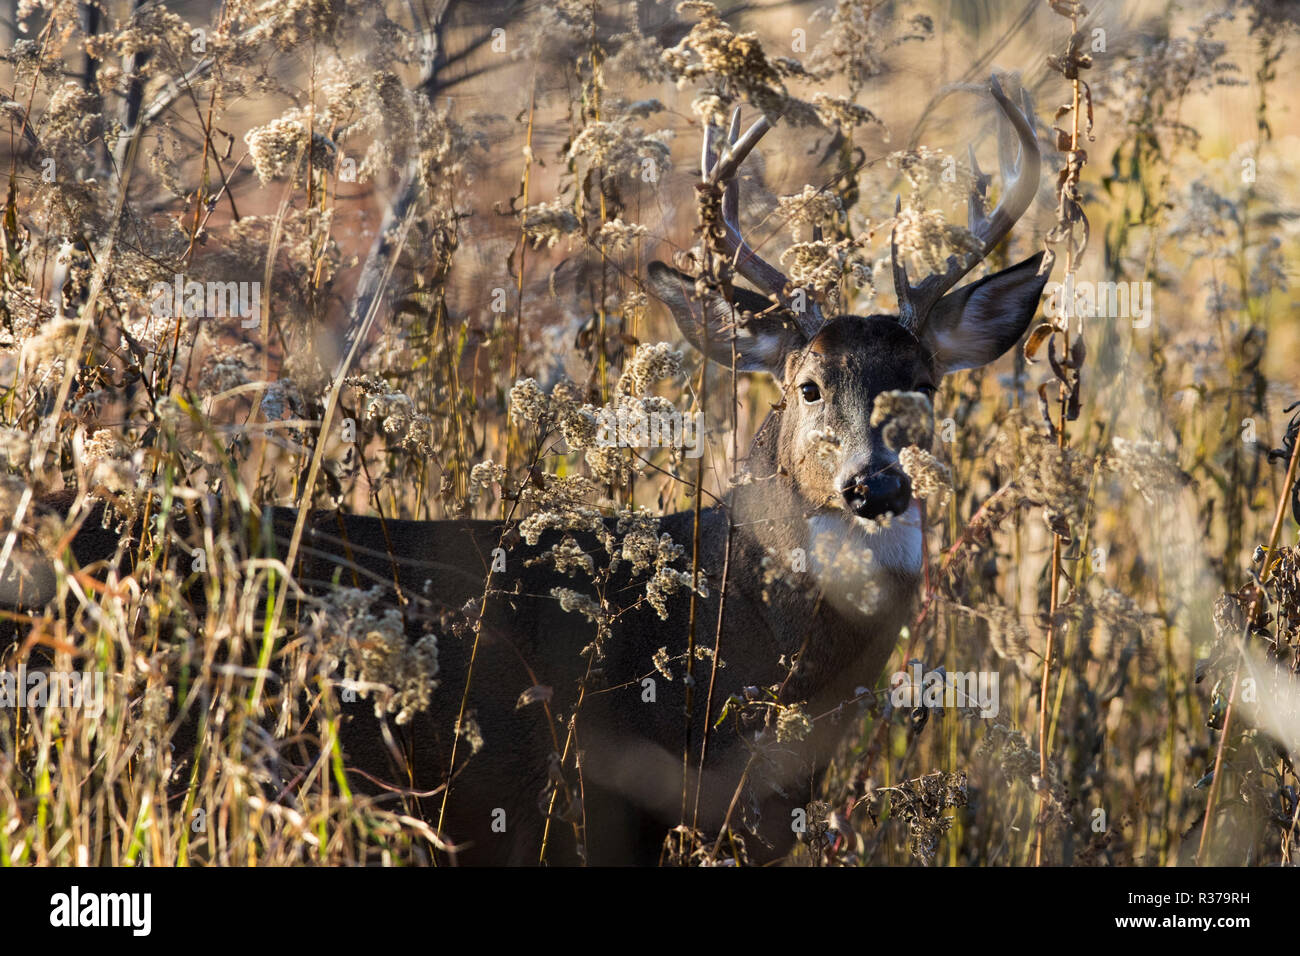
pixel 876 491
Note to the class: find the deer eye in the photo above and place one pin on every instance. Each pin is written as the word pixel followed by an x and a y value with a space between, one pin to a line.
pixel 810 392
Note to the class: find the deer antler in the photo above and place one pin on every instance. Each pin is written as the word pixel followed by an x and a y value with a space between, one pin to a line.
pixel 721 169
pixel 1019 185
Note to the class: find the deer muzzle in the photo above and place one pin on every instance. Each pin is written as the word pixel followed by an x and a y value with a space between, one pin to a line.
pixel 877 490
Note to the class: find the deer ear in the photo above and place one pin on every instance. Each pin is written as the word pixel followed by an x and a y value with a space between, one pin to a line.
pixel 977 323
pixel 762 343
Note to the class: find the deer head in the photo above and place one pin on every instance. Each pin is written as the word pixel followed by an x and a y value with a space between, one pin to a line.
pixel 832 369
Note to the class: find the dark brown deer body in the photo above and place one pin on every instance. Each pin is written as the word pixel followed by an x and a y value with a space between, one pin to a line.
pixel 811 641
pixel 631 748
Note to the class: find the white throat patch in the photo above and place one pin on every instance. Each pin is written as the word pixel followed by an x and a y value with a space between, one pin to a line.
pixel 897 546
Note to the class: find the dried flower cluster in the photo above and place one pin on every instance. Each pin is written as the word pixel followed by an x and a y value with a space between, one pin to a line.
pixel 371 643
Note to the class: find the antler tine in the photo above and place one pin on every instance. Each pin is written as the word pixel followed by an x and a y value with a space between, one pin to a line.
pixel 906 292
pixel 1020 173
pixel 975 218
pixel 733 128
pixel 731 194
pixel 737 148
pixel 708 156
pixel 721 168
pixel 1020 181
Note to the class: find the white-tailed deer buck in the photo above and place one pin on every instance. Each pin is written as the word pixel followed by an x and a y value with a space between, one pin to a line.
pixel 824 480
